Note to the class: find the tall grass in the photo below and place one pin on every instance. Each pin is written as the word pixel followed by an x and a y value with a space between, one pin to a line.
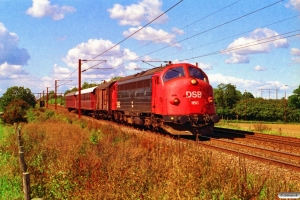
pixel 10 176
pixel 80 159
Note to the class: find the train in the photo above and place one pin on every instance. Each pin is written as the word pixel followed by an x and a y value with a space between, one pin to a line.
pixel 176 98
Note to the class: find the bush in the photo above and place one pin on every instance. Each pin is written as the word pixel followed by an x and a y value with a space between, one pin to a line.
pixel 15 112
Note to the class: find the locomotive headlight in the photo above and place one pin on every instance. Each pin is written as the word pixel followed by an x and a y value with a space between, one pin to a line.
pixel 176 101
pixel 210 100
pixel 194 81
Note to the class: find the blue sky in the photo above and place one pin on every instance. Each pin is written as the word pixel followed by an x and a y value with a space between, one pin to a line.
pixel 254 45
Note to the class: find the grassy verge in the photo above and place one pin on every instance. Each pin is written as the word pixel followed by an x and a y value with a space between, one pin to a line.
pixel 291 130
pixel 80 159
pixel 10 176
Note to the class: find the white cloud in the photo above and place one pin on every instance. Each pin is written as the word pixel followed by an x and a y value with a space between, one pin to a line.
pixel 9 50
pixel 42 8
pixel 151 34
pixel 60 70
pixel 259 68
pixel 135 14
pixel 295 4
pixel 8 71
pixel 250 85
pixel 237 59
pixel 131 66
pixel 118 59
pixel 178 31
pixel 244 46
pixel 296 53
pixel 204 66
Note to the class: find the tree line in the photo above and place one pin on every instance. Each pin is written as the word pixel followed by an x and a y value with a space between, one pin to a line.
pixel 232 104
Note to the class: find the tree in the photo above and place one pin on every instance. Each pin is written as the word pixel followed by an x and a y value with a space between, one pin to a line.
pixel 15 111
pixel 15 93
pixel 294 99
pixel 88 85
pixel 247 95
pixel 226 96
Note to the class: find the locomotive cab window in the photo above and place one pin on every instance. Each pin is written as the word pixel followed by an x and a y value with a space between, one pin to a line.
pixel 196 73
pixel 172 73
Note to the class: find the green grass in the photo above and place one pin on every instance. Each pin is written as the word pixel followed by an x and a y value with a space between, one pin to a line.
pixel 10 180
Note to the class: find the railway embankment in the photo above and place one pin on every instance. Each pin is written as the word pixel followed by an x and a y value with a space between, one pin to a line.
pixel 94 159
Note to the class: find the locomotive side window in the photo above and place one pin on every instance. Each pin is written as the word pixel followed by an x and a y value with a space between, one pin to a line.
pixel 196 73
pixel 173 73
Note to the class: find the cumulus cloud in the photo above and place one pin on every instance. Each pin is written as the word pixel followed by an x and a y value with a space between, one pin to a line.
pixel 151 34
pixel 248 85
pixel 8 71
pixel 116 58
pixel 135 14
pixel 259 68
pixel 295 4
pixel 61 70
pixel 237 59
pixel 296 55
pixel 42 8
pixel 9 50
pixel 205 66
pixel 244 46
pixel 132 66
pixel 295 51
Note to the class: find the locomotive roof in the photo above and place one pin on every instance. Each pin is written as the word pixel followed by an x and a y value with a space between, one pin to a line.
pixel 70 94
pixel 142 73
pixel 88 90
pixel 105 85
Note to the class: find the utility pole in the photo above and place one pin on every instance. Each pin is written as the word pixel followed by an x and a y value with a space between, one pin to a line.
pixel 79 80
pixel 79 88
pixel 55 95
pixel 47 98
pixel 285 103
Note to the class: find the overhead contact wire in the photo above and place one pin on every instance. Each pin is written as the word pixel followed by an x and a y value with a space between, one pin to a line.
pixel 138 30
pixel 245 45
pixel 215 27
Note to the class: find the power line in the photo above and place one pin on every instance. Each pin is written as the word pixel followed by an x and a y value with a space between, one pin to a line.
pixel 220 25
pixel 233 36
pixel 245 45
pixel 192 23
pixel 137 30
pixel 133 33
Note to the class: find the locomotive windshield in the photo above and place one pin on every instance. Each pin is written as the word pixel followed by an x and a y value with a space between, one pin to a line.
pixel 196 73
pixel 174 73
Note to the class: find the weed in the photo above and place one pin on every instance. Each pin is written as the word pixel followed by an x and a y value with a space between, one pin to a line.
pixel 98 161
pixel 260 127
pixel 49 114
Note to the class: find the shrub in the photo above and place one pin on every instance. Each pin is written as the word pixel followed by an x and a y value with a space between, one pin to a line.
pixel 260 127
pixel 15 111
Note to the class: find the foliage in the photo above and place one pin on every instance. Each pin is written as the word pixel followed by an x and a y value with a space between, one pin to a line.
pixel 14 93
pixel 100 161
pixel 263 110
pixel 15 111
pixel 226 96
pixel 10 177
pixel 231 104
pixel 114 79
pixel 247 95
pixel 85 85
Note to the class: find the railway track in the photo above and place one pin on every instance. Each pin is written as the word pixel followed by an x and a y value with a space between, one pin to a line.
pixel 279 158
pixel 290 141
pixel 223 141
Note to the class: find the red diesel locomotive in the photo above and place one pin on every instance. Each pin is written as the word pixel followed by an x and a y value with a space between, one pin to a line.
pixel 177 98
